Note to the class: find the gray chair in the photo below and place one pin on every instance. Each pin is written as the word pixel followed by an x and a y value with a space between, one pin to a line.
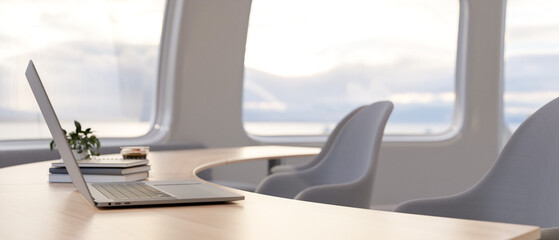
pixel 521 187
pixel 326 148
pixel 345 174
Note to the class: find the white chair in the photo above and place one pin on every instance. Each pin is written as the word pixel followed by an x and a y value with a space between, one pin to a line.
pixel 522 186
pixel 345 175
pixel 323 152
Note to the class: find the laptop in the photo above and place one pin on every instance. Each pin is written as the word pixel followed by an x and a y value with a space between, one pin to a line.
pixel 121 194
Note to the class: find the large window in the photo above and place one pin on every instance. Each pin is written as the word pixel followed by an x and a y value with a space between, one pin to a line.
pixel 531 58
pixel 97 58
pixel 310 62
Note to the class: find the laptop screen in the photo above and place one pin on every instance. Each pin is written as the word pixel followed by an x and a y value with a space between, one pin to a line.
pixel 56 131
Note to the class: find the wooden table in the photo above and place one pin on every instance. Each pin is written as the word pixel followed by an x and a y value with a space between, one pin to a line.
pixel 32 208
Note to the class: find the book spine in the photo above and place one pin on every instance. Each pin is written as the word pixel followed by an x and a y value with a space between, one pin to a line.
pixel 103 171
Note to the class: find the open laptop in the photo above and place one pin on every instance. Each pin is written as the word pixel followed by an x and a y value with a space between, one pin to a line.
pixel 122 193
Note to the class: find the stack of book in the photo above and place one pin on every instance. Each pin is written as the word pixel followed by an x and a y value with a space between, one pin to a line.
pixel 103 170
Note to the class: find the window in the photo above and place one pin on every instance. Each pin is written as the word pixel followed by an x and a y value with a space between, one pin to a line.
pixel 309 63
pixel 531 58
pixel 97 58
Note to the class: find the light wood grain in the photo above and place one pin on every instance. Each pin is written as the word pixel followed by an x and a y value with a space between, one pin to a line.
pixel 32 208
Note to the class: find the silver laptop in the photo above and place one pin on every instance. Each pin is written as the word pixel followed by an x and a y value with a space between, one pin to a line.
pixel 122 193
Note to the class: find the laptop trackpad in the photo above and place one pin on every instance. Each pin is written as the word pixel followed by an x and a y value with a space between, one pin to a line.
pixel 189 190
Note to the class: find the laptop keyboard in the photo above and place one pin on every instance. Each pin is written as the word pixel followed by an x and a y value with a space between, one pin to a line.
pixel 127 190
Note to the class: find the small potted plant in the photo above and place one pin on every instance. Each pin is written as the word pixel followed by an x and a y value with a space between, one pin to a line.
pixel 83 143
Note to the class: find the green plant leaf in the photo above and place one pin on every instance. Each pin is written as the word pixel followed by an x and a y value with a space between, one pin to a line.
pixel 78 126
pixel 81 141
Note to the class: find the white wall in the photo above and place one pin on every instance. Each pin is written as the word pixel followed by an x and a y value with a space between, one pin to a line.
pixel 208 98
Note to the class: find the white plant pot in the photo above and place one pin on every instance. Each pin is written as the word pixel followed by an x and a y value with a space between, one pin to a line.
pixel 79 156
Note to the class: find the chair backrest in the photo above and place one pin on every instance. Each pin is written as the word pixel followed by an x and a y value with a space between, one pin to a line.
pixel 521 187
pixel 325 148
pixel 345 174
pixel 352 154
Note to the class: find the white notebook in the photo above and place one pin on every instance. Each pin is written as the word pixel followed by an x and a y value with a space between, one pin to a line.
pixel 106 162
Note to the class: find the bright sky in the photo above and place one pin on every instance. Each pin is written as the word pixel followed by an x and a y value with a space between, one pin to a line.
pixel 298 38
pixel 31 29
pixel 292 38
pixel 532 29
pixel 29 25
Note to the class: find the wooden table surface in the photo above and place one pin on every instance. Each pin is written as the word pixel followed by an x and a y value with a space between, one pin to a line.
pixel 32 208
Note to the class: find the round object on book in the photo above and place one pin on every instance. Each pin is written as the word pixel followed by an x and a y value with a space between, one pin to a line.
pixel 136 152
